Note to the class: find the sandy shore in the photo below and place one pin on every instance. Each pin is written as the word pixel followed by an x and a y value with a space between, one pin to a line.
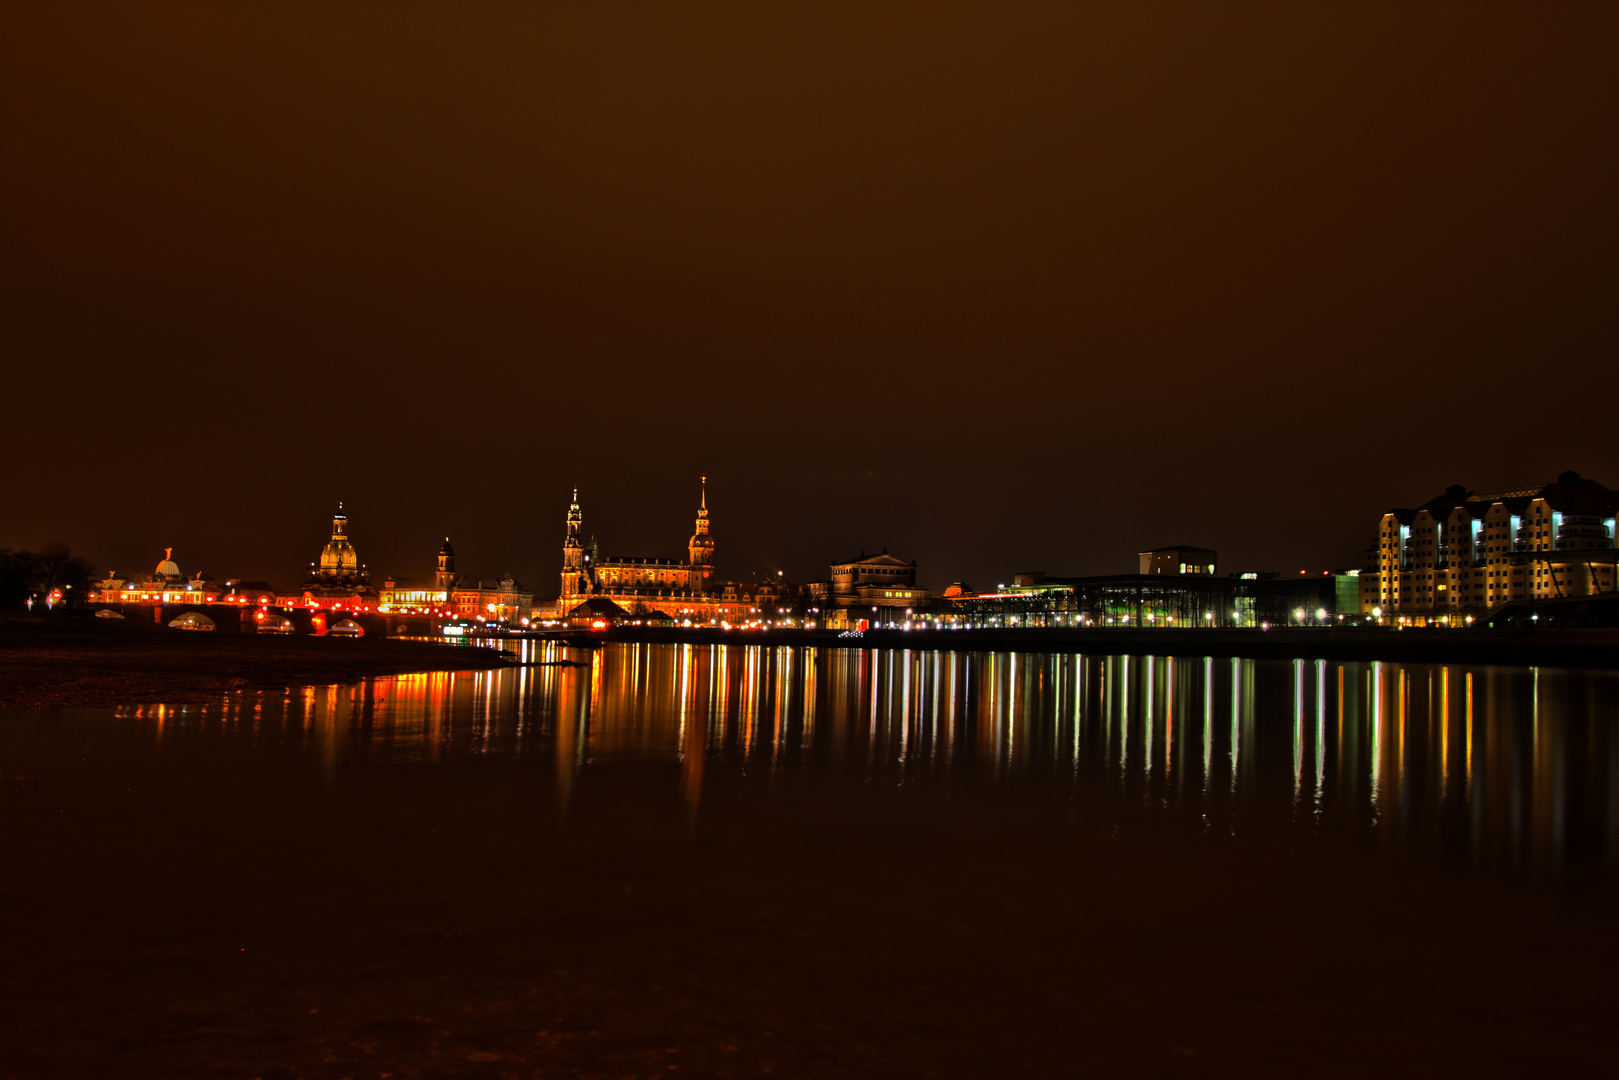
pixel 56 663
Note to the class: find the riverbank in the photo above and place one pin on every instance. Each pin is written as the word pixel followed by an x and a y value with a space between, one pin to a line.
pixel 1594 648
pixel 53 663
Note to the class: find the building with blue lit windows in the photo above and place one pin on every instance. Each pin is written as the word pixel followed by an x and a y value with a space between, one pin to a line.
pixel 1466 553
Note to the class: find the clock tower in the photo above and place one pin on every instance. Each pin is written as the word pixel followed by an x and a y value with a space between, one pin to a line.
pixel 701 544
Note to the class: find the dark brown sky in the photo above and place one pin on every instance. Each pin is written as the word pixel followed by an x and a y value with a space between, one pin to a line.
pixel 999 287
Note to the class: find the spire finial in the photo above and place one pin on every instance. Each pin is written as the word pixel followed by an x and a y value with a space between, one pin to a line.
pixel 704 480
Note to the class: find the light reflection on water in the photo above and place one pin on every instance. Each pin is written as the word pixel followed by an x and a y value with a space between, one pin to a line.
pixel 1514 769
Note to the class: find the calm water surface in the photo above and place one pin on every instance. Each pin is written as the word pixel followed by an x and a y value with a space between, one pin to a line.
pixel 1504 770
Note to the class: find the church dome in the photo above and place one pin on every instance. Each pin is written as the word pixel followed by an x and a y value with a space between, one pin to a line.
pixel 168 567
pixel 338 556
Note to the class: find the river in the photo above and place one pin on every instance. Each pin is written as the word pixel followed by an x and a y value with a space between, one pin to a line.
pixel 654 859
pixel 1508 770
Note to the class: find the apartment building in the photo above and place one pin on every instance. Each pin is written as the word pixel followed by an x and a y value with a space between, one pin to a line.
pixel 1465 552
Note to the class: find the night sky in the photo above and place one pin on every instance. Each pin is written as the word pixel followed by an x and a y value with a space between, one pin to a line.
pixel 997 287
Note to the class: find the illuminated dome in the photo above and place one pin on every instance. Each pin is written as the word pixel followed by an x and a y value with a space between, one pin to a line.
pixel 339 571
pixel 168 568
pixel 338 556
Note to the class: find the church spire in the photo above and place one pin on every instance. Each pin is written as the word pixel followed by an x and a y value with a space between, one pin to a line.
pixel 575 574
pixel 702 509
pixel 575 520
pixel 701 545
pixel 444 577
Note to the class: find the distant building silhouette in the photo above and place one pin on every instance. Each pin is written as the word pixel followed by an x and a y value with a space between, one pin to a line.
pixel 1179 560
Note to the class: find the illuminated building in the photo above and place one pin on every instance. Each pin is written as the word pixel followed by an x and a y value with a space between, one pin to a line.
pixel 682 590
pixel 1179 560
pixel 1468 552
pixel 444 575
pixel 872 588
pixel 338 579
pixel 167 596
pixel 339 569
pixel 597 613
pixel 434 601
pixel 397 599
pixel 502 601
pixel 1165 601
pixel 583 574
pixel 450 596
pixel 167 585
pixel 164 585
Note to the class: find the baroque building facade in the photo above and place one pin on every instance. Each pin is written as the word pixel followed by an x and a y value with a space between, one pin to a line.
pixel 453 596
pixel 868 590
pixel 167 585
pixel 338 575
pixel 1466 553
pixel 683 591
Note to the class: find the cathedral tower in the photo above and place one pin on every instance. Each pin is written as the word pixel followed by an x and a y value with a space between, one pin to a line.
pixel 701 545
pixel 575 576
pixel 445 577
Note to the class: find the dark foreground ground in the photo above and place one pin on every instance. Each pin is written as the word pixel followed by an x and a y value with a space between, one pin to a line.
pixel 46 663
pixel 477 919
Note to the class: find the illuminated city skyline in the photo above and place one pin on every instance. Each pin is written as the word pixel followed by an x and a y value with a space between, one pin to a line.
pixel 1121 281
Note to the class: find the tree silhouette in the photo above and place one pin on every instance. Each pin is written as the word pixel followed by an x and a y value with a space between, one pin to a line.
pixel 54 566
